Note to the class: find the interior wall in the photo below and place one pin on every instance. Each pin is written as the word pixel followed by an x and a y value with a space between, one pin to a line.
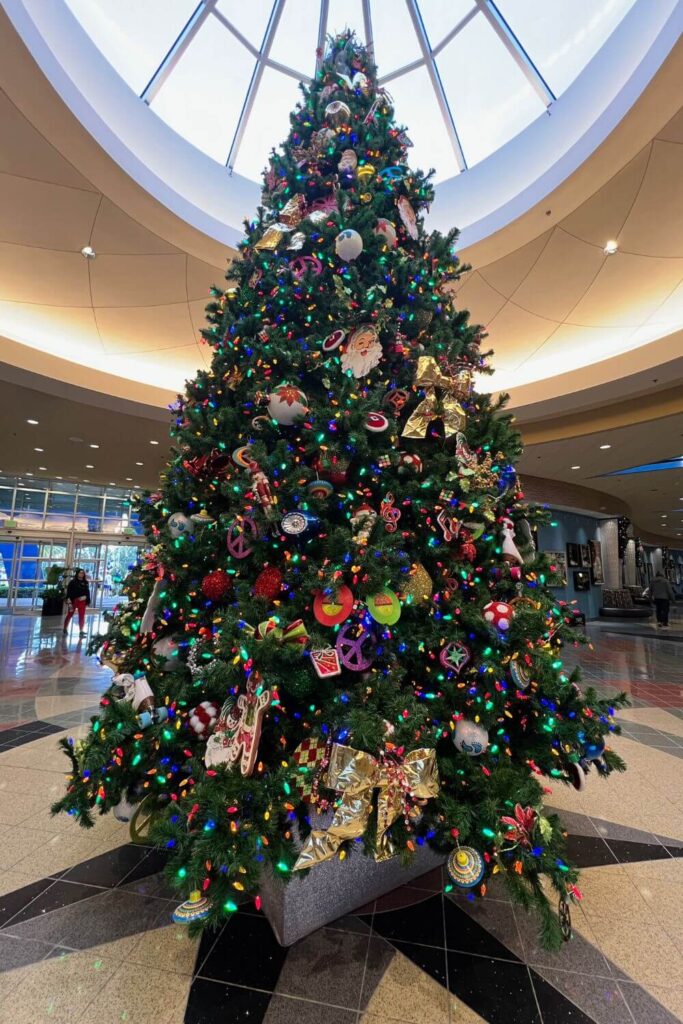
pixel 573 528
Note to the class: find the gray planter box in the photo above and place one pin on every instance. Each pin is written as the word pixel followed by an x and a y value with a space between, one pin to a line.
pixel 334 888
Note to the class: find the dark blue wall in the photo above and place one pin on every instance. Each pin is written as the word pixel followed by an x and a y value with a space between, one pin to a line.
pixel 572 528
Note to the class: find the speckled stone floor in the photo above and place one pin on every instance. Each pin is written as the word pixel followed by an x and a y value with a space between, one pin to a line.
pixel 85 932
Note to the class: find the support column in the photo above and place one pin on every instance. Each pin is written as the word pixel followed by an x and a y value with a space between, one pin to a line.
pixel 630 575
pixel 609 541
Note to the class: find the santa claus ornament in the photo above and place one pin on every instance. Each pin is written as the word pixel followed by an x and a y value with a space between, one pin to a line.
pixel 203 718
pixel 286 404
pixel 499 614
pixel 363 352
pixel 216 584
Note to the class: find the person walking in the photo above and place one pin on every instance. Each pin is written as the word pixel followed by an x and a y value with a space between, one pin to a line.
pixel 662 594
pixel 78 597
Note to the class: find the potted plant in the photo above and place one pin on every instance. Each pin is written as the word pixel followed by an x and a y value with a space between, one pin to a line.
pixel 53 594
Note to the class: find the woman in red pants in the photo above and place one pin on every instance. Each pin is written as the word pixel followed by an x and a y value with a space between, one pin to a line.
pixel 78 596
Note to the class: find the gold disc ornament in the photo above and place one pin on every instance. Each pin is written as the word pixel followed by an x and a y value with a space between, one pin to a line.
pixel 466 867
pixel 418 586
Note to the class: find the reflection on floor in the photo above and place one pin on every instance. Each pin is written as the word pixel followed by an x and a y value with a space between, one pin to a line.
pixel 85 932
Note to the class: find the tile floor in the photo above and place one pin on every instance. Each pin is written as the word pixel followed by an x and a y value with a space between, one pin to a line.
pixel 85 932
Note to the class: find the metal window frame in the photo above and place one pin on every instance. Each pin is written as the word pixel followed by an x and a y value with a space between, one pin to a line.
pixel 178 48
pixel 512 44
pixel 437 85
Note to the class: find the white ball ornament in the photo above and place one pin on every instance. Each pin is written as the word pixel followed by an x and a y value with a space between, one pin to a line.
pixel 470 738
pixel 287 404
pixel 499 614
pixel 124 810
pixel 348 244
pixel 387 230
pixel 166 650
pixel 180 525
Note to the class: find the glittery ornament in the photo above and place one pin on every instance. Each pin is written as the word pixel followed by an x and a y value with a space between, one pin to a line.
pixel 268 583
pixel 308 758
pixel 355 647
pixel 216 584
pixel 418 585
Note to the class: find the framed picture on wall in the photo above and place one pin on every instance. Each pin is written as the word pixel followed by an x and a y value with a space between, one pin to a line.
pixel 557 575
pixel 596 561
pixel 574 556
pixel 582 580
pixel 585 556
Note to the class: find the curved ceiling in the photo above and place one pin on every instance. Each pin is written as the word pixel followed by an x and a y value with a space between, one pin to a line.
pixel 467 76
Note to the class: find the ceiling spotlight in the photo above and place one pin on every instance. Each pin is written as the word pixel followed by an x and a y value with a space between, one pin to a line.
pixel 112 484
pixel 44 468
pixel 88 252
pixel 76 440
pixel 139 463
pixel 576 467
pixel 129 479
pixel 88 466
pixel 665 515
pixel 610 247
pixel 154 442
pixel 34 423
pixel 39 449
pixel 59 478
pixel 604 447
pixel 28 474
pixel 86 481
pixel 93 446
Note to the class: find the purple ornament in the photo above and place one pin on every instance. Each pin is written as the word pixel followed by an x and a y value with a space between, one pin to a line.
pixel 355 647
pixel 454 656
pixel 241 535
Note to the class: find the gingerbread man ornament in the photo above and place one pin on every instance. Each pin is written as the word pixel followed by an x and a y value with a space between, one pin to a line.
pixel 238 730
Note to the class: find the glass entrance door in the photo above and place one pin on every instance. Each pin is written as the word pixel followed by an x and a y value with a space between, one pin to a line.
pixel 106 566
pixel 8 555
pixel 32 560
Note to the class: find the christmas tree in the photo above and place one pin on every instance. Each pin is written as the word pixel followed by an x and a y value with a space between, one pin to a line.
pixel 341 641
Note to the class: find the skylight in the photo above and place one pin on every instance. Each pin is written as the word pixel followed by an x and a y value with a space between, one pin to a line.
pixel 466 75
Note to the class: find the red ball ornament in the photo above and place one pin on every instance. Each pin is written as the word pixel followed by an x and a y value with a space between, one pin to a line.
pixel 216 584
pixel 268 583
pixel 499 614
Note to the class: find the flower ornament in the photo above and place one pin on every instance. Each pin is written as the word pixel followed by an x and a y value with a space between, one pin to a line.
pixel 521 827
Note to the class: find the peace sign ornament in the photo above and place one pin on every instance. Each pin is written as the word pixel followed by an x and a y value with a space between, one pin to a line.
pixel 355 647
pixel 242 534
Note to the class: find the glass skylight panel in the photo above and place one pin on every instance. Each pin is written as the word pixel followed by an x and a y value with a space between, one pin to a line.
pixel 345 14
pixel 490 98
pixel 297 36
pixel 395 40
pixel 250 17
pixel 203 97
pixel 416 106
pixel 440 16
pixel 277 96
pixel 133 36
pixel 561 37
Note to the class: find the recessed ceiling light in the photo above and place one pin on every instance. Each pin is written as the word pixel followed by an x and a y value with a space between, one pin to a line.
pixel 129 479
pixel 76 440
pixel 39 449
pixel 611 247
pixel 665 515
pixel 605 446
pixel 89 466
pixel 59 478
pixel 28 474
pixel 86 481
pixel 154 442
pixel 139 463
pixel 44 468
pixel 112 484
pixel 93 446
pixel 88 252
pixel 576 467
pixel 34 423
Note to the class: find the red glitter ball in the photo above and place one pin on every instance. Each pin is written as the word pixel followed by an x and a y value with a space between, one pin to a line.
pixel 216 584
pixel 268 583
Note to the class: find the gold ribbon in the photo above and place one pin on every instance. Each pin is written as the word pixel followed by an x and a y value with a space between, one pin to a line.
pixel 447 408
pixel 356 773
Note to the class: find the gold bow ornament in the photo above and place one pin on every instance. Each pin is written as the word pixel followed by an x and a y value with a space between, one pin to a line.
pixel 429 377
pixel 401 783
